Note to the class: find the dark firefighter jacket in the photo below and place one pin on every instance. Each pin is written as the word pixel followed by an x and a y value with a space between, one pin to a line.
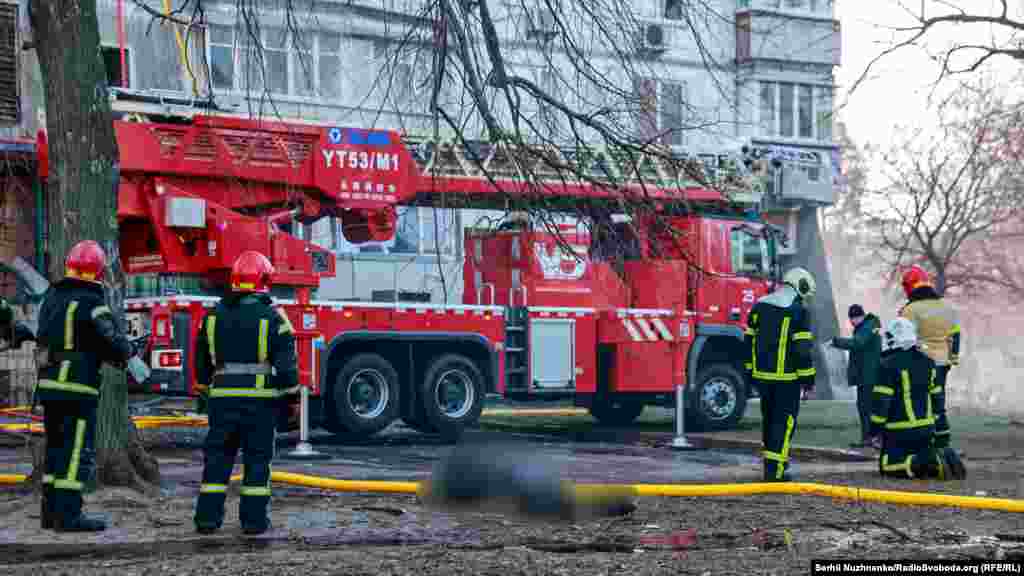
pixel 779 339
pixel 865 352
pixel 902 398
pixel 77 334
pixel 938 329
pixel 246 349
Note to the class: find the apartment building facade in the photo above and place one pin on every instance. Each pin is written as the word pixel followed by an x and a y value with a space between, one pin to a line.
pixel 754 73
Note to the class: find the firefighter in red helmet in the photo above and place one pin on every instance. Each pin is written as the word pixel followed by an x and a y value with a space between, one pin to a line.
pixel 245 355
pixel 77 334
pixel 938 330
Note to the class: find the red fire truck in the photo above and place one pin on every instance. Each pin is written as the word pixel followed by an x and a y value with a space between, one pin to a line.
pixel 613 327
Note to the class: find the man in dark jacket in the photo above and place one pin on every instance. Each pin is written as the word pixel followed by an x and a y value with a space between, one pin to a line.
pixel 12 333
pixel 77 334
pixel 245 355
pixel 903 411
pixel 862 370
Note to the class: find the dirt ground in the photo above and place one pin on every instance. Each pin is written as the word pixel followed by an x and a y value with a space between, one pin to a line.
pixel 341 534
pixel 361 534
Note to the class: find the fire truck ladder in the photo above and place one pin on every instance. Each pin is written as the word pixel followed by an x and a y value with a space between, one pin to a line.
pixel 516 350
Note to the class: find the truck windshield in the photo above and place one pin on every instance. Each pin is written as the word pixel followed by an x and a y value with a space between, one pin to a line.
pixel 749 253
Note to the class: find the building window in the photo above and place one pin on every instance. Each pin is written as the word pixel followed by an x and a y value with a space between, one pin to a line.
pixel 112 62
pixel 804 116
pixel 823 108
pixel 307 65
pixel 672 102
pixel 673 9
pixel 221 42
pixel 646 90
pixel 768 126
pixel 786 109
pixel 420 231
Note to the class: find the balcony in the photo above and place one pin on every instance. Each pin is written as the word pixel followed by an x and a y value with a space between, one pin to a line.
pixel 785 36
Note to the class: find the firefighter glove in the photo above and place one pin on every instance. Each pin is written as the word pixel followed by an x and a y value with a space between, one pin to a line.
pixel 138 369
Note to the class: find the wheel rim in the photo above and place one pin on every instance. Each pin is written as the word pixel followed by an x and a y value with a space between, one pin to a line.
pixel 718 399
pixel 368 393
pixel 454 394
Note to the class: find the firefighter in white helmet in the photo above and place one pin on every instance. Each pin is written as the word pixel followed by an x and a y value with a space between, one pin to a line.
pixel 781 364
pixel 903 413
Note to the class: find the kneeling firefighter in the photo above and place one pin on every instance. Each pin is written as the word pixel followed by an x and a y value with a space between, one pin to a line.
pixel 781 364
pixel 245 355
pixel 903 413
pixel 77 334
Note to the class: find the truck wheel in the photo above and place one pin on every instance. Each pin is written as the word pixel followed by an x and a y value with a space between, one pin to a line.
pixel 718 398
pixel 452 395
pixel 616 411
pixel 366 395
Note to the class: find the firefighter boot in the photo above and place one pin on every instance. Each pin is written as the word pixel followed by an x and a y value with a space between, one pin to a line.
pixel 80 523
pixel 46 508
pixel 953 463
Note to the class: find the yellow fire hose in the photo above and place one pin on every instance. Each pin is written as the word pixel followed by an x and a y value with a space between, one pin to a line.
pixel 145 422
pixel 677 490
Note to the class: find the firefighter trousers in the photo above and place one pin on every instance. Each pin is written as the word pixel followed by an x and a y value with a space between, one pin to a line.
pixel 942 434
pixel 249 425
pixel 909 454
pixel 70 427
pixel 780 404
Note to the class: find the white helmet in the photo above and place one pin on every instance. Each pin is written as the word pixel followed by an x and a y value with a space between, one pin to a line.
pixel 802 281
pixel 900 334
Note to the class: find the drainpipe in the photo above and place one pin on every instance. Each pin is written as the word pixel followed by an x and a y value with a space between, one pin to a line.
pixel 38 184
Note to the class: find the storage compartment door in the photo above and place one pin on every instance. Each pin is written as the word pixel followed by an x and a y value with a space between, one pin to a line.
pixel 553 352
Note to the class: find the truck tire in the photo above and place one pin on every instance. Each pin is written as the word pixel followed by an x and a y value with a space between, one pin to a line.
pixel 452 396
pixel 366 395
pixel 616 411
pixel 718 398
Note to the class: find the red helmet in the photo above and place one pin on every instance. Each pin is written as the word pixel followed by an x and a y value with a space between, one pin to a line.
pixel 251 273
pixel 86 261
pixel 914 278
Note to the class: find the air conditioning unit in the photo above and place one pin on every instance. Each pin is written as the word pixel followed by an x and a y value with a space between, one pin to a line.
pixel 542 23
pixel 653 39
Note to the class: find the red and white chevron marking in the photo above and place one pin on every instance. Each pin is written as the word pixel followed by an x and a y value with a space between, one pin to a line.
pixel 643 329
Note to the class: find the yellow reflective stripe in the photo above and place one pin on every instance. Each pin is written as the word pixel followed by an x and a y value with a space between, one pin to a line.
pixel 750 332
pixel 904 466
pixel 100 311
pixel 878 419
pixel 68 485
pixel 261 354
pixel 76 455
pixel 244 393
pixel 211 337
pixel 286 324
pixel 48 478
pixel 790 424
pixel 954 330
pixel 753 354
pixel 65 367
pixel 749 365
pixel 806 372
pixel 780 358
pixel 212 488
pixel 69 325
pixel 908 404
pixel 773 377
pixel 910 424
pixel 803 336
pixel 883 390
pixel 769 455
pixel 68 387
pixel 255 491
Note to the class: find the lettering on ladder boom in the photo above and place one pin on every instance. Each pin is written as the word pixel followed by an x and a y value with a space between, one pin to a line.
pixel 361 160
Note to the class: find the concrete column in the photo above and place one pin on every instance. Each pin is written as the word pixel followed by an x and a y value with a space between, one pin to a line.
pixel 825 323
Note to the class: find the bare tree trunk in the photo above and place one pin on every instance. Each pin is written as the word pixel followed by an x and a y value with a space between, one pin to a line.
pixel 82 196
